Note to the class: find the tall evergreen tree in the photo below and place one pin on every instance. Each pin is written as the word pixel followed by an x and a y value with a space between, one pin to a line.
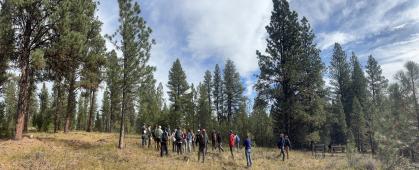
pixel 340 74
pixel 178 87
pixel 291 75
pixel 113 81
pixel 134 40
pixel 358 124
pixel 203 109
pixel 43 118
pixel 376 87
pixel 217 93
pixel 32 31
pixel 81 112
pixel 10 102
pixel 410 82
pixel 6 39
pixel 338 126
pixel 106 114
pixel 233 90
pixel 208 83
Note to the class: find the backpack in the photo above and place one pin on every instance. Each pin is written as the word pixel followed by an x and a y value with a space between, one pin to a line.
pixel 201 140
pixel 164 137
pixel 178 136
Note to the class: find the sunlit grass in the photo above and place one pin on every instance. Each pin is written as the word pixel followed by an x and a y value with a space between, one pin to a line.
pixel 81 150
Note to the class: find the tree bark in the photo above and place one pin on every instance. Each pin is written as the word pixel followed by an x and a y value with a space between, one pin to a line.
pixel 92 109
pixel 23 95
pixel 70 103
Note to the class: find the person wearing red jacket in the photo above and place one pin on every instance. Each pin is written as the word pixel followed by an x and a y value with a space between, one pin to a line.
pixel 231 142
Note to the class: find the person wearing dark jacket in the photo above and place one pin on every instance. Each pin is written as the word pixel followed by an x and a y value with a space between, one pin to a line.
pixel 247 150
pixel 281 145
pixel 202 143
pixel 163 144
pixel 287 145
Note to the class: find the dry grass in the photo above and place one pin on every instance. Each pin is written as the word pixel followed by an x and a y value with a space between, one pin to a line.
pixel 81 150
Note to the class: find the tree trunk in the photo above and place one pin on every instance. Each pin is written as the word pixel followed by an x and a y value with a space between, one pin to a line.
pixel 23 94
pixel 70 103
pixel 109 127
pixel 57 105
pixel 92 109
pixel 122 127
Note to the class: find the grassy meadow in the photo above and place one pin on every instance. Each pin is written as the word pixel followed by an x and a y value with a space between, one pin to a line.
pixel 81 150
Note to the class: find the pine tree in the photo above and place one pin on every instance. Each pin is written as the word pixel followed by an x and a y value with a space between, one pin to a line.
pixel 42 119
pixel 233 90
pixel 217 93
pixel 358 124
pixel 339 72
pixel 410 82
pixel 10 101
pixel 6 39
pixel 376 86
pixel 338 128
pixel 32 31
pixel 113 81
pixel 135 43
pixel 178 87
pixel 81 112
pixel 290 75
pixel 106 114
pixel 208 83
pixel 191 108
pixel 203 109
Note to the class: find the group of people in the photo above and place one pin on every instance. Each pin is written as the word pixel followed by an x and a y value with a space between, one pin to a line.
pixel 183 141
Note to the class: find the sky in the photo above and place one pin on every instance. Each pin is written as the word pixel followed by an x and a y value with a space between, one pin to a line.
pixel 202 33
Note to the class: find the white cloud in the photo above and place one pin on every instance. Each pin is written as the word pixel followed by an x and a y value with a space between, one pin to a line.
pixel 328 39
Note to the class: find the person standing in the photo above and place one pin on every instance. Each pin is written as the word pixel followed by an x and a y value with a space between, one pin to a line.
pixel 231 142
pixel 287 145
pixel 281 144
pixel 213 139
pixel 219 142
pixel 237 138
pixel 158 133
pixel 178 136
pixel 149 134
pixel 202 144
pixel 189 138
pixel 247 150
pixel 164 139
pixel 144 138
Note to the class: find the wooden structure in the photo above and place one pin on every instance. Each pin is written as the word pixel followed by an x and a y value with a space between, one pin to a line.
pixel 318 150
pixel 337 148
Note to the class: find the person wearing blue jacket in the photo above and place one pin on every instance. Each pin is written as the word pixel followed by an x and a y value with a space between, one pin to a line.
pixel 247 143
pixel 281 145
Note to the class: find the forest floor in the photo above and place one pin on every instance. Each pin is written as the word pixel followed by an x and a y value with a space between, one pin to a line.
pixel 82 150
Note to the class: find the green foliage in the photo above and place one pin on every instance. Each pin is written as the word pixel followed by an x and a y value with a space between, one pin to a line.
pixel 113 81
pixel 178 87
pixel 133 38
pixel 291 75
pixel 338 124
pixel 203 109
pixel 339 72
pixel 233 91
pixel 217 93
pixel 43 119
